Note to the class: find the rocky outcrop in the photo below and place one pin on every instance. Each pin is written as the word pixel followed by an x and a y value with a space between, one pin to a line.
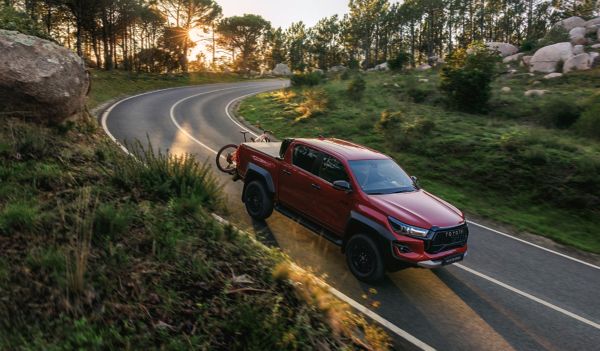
pixel 570 23
pixel 40 79
pixel 535 92
pixel 505 49
pixel 423 67
pixel 382 67
pixel 546 59
pixel 527 59
pixel 281 69
pixel 578 49
pixel 577 36
pixel 579 62
pixel 513 58
pixel 592 25
pixel 505 89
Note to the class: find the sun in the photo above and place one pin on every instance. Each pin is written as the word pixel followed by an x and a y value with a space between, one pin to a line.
pixel 196 34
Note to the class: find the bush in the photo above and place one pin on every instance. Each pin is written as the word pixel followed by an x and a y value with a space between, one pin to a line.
pixel 12 19
pixel 418 94
pixel 314 103
pixel 357 87
pixel 18 216
pixel 555 35
pixel 560 113
pixel 111 221
pixel 589 122
pixel 400 132
pixel 467 76
pixel 399 62
pixel 307 79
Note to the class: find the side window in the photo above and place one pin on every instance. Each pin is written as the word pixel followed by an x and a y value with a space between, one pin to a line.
pixel 332 169
pixel 306 158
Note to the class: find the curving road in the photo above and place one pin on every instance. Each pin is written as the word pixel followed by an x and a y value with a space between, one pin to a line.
pixel 507 294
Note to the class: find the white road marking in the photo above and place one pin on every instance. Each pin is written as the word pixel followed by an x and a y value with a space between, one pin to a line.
pixel 535 245
pixel 529 296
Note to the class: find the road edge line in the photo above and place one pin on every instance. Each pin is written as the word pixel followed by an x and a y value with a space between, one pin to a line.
pixel 529 296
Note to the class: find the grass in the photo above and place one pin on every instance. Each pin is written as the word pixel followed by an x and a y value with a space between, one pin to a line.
pixel 114 84
pixel 507 165
pixel 120 254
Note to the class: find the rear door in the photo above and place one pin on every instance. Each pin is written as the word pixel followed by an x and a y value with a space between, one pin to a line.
pixel 297 178
pixel 331 206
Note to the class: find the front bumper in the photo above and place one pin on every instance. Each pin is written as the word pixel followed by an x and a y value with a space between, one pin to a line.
pixel 430 264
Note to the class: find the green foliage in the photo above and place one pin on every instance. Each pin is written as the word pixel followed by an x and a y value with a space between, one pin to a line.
pixel 399 62
pixel 402 132
pixel 18 216
pixel 112 221
pixel 165 175
pixel 467 76
pixel 561 113
pixel 556 34
pixel 307 79
pixel 589 122
pixel 11 19
pixel 357 87
pixel 314 102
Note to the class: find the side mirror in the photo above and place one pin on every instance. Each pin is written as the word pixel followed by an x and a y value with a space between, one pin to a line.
pixel 342 185
pixel 415 182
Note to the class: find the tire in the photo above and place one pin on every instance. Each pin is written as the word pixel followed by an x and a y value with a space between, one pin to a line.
pixel 364 259
pixel 259 204
pixel 225 162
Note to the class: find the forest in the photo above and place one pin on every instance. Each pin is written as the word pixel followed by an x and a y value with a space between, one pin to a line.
pixel 160 35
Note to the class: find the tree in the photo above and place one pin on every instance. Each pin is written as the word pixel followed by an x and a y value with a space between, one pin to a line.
pixel 243 33
pixel 297 46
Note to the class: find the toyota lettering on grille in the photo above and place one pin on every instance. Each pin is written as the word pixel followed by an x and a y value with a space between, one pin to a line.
pixel 453 233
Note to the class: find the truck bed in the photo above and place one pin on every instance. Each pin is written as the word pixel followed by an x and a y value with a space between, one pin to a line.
pixel 270 149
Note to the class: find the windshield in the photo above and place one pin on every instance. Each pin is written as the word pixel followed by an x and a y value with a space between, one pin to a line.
pixel 377 177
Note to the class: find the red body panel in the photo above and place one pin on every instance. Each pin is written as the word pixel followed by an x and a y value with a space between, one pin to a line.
pixel 315 198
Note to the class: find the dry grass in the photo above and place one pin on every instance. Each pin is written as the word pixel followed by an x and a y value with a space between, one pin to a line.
pixel 77 260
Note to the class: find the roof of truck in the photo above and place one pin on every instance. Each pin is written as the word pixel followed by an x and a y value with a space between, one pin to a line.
pixel 345 149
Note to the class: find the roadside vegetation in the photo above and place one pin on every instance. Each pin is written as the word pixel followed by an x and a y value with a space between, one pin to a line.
pixel 100 251
pixel 529 162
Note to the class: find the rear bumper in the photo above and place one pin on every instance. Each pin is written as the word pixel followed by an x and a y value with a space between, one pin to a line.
pixel 430 264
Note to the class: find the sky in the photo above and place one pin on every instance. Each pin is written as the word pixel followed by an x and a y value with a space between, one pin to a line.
pixel 282 13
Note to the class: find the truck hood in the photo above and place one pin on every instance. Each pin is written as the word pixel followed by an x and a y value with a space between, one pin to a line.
pixel 419 208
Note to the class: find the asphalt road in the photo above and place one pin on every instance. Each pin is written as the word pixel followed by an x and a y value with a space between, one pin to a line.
pixel 507 294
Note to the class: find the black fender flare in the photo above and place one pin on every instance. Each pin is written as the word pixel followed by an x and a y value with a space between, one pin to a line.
pixel 255 171
pixel 384 236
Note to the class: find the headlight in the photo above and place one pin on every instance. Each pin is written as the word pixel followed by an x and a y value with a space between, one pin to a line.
pixel 405 229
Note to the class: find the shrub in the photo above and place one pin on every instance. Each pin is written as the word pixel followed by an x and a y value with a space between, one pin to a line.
pixel 556 34
pixel 12 19
pixel 401 133
pixel 18 216
pixel 307 79
pixel 357 87
pixel 467 76
pixel 560 113
pixel 589 122
pixel 315 101
pixel 418 94
pixel 111 221
pixel 399 62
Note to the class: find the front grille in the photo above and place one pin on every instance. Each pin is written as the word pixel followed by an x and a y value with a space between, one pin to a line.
pixel 448 238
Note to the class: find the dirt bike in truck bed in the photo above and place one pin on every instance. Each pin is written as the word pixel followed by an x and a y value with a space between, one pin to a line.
pixel 354 196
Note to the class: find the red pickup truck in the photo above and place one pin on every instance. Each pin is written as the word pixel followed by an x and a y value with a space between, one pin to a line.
pixel 357 198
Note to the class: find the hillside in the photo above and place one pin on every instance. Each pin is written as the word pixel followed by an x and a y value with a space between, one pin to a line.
pixel 100 251
pixel 512 165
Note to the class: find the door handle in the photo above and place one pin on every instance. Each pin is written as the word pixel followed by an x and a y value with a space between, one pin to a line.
pixel 315 186
pixel 287 172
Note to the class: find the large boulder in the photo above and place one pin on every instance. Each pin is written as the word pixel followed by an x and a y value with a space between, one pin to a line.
pixel 281 69
pixel 505 49
pixel 570 23
pixel 578 49
pixel 592 25
pixel 579 62
pixel 513 58
pixel 577 36
pixel 423 67
pixel 527 59
pixel 382 67
pixel 39 78
pixel 595 59
pixel 546 59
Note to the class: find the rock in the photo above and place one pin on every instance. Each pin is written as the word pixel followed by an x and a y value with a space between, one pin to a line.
pixel 595 59
pixel 266 73
pixel 513 58
pixel 577 36
pixel 382 67
pixel 535 92
pixel 433 60
pixel 423 67
pixel 593 23
pixel 40 78
pixel 281 69
pixel 592 29
pixel 578 49
pixel 526 59
pixel 317 70
pixel 505 89
pixel 596 46
pixel 423 80
pixel 338 69
pixel 579 62
pixel 570 23
pixel 536 82
pixel 505 49
pixel 545 59
pixel 553 75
